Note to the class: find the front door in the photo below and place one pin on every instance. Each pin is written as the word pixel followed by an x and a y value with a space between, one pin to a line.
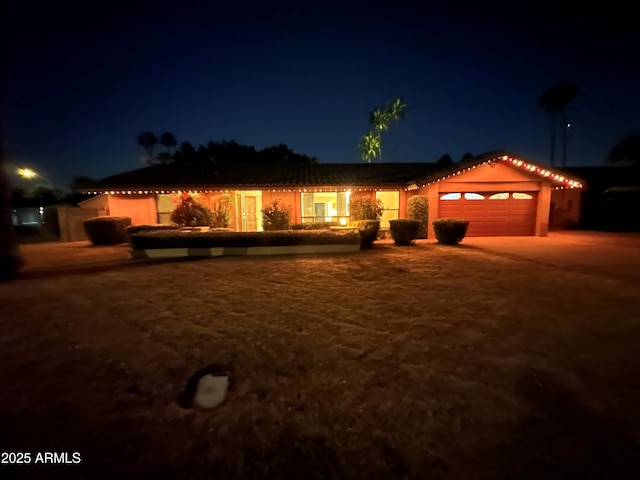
pixel 249 213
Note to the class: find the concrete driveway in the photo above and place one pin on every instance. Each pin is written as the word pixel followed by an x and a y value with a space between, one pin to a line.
pixel 611 254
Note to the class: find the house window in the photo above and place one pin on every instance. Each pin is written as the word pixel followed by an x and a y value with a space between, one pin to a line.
pixel 521 196
pixel 499 196
pixel 391 203
pixel 473 196
pixel 451 196
pixel 165 207
pixel 325 207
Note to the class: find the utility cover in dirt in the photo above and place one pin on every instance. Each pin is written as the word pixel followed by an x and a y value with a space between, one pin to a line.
pixel 211 390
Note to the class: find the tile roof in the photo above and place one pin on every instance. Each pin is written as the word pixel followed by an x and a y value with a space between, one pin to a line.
pixel 268 175
pixel 286 175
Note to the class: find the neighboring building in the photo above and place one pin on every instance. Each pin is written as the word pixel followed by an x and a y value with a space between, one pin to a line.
pixel 498 193
pixel 610 201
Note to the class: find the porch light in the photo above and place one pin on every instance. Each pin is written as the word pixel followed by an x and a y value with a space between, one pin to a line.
pixel 343 221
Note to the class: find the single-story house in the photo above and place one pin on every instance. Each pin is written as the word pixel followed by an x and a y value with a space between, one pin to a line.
pixel 499 193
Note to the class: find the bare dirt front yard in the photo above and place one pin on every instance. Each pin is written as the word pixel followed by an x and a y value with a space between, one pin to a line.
pixel 421 362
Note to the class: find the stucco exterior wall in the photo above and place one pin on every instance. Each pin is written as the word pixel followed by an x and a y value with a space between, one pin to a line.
pixel 566 208
pixel 289 198
pixel 141 208
pixel 100 203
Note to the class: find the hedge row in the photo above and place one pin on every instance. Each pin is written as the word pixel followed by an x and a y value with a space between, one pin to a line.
pixel 177 239
pixel 314 226
pixel 152 228
pixel 107 230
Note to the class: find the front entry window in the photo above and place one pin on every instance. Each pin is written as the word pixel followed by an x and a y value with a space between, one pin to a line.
pixel 391 203
pixel 325 207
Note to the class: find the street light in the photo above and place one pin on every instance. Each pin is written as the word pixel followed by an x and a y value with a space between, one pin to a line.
pixel 26 173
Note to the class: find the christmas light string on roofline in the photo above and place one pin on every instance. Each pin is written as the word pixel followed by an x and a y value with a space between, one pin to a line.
pixel 566 182
pixel 192 191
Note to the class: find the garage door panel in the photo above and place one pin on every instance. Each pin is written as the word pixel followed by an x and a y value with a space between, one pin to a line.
pixel 493 217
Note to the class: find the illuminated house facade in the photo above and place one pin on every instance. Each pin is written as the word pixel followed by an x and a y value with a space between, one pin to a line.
pixel 500 194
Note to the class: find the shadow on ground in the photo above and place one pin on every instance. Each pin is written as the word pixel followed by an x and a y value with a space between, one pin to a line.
pixel 581 442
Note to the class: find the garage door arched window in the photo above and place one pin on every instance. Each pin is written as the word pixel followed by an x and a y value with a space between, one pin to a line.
pixel 499 196
pixel 473 196
pixel 451 196
pixel 521 196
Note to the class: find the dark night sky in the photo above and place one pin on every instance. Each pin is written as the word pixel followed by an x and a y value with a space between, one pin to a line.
pixel 82 82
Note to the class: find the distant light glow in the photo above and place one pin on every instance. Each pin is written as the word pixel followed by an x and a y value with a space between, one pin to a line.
pixel 26 173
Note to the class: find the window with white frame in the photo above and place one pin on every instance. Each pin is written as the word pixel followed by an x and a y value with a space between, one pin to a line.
pixel 165 207
pixel 391 203
pixel 332 207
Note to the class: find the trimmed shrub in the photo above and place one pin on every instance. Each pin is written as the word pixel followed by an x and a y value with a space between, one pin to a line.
pixel 190 213
pixel 418 209
pixel 450 231
pixel 404 231
pixel 368 232
pixel 314 226
pixel 177 239
pixel 363 208
pixel 276 215
pixel 107 230
pixel 151 228
pixel 220 209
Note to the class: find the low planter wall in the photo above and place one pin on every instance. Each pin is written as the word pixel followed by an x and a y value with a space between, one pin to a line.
pixel 241 251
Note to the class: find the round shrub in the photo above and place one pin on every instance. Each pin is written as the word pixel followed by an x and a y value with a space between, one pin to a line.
pixel 107 230
pixel 363 208
pixel 418 209
pixel 404 231
pixel 276 215
pixel 368 231
pixel 450 231
pixel 190 213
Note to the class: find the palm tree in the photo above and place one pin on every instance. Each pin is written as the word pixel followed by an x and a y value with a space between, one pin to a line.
pixel 626 150
pixel 369 146
pixel 380 120
pixel 554 102
pixel 10 258
pixel 148 141
pixel 168 140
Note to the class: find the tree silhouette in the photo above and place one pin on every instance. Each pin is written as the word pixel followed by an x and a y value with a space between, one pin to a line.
pixel 185 154
pixel 554 102
pixel 445 160
pixel 168 140
pixel 148 141
pixel 466 156
pixel 626 150
pixel 80 182
pixel 218 152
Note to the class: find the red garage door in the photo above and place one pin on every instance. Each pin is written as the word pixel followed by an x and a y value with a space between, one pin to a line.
pixel 497 213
